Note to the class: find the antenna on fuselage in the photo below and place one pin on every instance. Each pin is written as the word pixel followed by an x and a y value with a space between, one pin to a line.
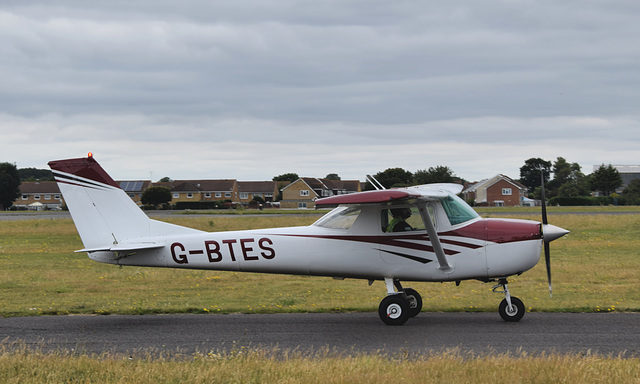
pixel 376 184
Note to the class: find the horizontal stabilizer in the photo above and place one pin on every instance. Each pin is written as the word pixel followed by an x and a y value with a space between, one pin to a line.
pixel 124 247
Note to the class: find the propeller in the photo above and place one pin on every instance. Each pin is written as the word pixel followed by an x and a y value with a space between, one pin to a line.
pixel 549 232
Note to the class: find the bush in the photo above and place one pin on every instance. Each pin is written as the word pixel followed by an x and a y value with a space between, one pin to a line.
pixel 580 201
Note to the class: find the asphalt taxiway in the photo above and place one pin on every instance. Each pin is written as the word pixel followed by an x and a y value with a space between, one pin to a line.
pixel 616 334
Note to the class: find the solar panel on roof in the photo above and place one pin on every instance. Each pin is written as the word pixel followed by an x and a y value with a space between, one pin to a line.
pixel 131 186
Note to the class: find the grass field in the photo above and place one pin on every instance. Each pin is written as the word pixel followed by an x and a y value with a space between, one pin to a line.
pixel 595 269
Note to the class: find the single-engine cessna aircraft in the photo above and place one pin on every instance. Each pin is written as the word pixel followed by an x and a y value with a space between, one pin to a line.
pixel 421 233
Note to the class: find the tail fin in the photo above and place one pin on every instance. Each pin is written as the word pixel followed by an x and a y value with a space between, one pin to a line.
pixel 105 216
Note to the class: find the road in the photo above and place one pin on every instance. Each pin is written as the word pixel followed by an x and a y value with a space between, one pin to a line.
pixel 479 333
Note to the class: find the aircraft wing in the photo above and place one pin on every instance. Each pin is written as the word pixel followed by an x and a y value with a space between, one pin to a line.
pixel 425 192
pixel 368 197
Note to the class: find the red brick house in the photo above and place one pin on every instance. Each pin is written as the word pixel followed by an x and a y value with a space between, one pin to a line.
pixel 498 191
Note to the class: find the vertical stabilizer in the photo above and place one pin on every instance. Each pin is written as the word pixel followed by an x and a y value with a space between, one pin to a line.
pixel 102 212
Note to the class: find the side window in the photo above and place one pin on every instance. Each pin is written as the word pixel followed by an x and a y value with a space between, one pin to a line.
pixel 340 218
pixel 403 219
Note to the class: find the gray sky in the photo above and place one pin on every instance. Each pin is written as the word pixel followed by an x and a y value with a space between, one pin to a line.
pixel 252 89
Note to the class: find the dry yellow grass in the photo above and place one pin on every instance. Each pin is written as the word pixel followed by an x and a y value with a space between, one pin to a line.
pixel 19 365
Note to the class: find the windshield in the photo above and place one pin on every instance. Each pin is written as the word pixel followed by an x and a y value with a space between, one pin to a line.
pixel 339 218
pixel 457 210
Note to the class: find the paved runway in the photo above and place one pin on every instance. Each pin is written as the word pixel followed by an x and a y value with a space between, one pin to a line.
pixel 612 333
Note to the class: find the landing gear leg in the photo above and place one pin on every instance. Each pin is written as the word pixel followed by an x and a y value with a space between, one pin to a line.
pixel 511 308
pixel 398 307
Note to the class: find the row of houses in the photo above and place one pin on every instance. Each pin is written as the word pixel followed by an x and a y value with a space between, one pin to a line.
pixel 499 190
pixel 300 194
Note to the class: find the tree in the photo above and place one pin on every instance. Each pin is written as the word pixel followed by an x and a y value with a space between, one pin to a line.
pixel 631 193
pixel 393 178
pixel 530 172
pixel 332 176
pixel 156 196
pixel 606 179
pixel 568 180
pixel 9 185
pixel 439 174
pixel 291 177
pixel 165 179
pixel 35 174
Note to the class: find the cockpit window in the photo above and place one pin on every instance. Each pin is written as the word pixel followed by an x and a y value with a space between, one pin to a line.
pixel 457 210
pixel 339 218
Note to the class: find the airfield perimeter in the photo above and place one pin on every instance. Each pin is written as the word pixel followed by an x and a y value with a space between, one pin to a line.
pixel 479 332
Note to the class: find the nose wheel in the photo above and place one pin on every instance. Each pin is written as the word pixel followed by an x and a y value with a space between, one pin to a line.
pixel 511 309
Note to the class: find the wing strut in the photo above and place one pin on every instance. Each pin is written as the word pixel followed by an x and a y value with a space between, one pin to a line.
pixel 444 267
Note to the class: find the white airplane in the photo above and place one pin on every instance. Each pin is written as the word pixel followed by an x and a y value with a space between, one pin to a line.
pixel 422 233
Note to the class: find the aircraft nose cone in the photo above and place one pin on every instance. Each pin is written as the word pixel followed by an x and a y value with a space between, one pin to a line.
pixel 551 232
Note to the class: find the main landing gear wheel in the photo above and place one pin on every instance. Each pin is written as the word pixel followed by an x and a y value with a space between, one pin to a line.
pixel 415 301
pixel 514 313
pixel 394 310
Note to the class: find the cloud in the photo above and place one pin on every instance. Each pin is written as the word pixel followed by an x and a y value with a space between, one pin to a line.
pixel 250 89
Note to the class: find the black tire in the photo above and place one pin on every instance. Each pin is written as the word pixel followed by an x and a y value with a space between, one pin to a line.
pixel 415 301
pixel 394 310
pixel 517 310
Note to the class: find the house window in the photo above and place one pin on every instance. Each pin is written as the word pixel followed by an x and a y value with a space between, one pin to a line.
pixel 189 195
pixel 25 197
pixel 36 197
pixel 176 195
pixel 268 195
pixel 207 195
pixel 227 194
pixel 57 197
pixel 244 195
pixel 218 194
pixel 302 205
pixel 304 192
pixel 47 197
pixel 506 191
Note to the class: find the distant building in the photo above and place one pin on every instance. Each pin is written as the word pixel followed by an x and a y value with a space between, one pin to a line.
pixel 302 193
pixel 497 191
pixel 202 190
pixel 39 195
pixel 247 190
pixel 627 172
pixel 134 188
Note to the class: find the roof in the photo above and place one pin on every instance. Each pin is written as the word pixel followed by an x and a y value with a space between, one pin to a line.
pixel 28 187
pixel 134 185
pixel 486 183
pixel 326 184
pixel 257 186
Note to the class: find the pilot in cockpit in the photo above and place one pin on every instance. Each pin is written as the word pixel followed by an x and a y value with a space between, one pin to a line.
pixel 399 221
